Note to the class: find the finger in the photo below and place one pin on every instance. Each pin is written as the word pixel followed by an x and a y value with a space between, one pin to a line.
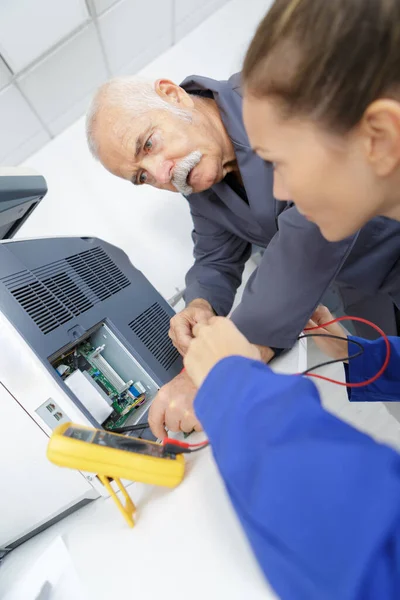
pixel 311 324
pixel 335 329
pixel 182 349
pixel 182 336
pixel 322 315
pixel 198 426
pixel 188 421
pixel 215 320
pixel 173 416
pixel 199 327
pixel 181 345
pixel 203 317
pixel 173 338
pixel 157 420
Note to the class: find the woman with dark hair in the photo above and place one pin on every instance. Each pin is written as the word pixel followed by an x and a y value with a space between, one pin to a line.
pixel 322 103
pixel 319 501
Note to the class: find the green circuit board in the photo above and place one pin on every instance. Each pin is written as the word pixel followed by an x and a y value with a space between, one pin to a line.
pixel 103 382
pixel 123 404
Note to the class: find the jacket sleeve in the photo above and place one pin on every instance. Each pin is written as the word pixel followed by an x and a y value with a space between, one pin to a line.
pixel 296 269
pixel 387 387
pixel 318 500
pixel 220 257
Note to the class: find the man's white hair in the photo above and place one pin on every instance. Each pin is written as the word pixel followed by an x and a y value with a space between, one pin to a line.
pixel 134 95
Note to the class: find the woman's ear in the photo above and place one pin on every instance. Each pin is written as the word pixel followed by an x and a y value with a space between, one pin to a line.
pixel 380 127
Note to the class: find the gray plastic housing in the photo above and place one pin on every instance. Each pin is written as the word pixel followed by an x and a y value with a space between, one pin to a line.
pixel 19 196
pixel 56 290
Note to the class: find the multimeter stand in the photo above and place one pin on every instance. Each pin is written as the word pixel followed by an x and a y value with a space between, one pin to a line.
pixel 129 509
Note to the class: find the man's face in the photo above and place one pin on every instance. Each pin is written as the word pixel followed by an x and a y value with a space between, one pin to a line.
pixel 160 149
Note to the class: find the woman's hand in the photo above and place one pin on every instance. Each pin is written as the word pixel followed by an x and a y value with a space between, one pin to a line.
pixel 214 341
pixel 335 348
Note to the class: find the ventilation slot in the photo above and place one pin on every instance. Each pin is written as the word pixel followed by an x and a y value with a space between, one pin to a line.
pixel 68 292
pixel 57 292
pixel 42 306
pixel 99 272
pixel 152 328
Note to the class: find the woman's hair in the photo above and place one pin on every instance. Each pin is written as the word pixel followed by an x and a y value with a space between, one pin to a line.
pixel 326 59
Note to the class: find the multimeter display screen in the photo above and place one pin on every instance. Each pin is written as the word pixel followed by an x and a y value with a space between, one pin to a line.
pixel 102 438
pixel 84 435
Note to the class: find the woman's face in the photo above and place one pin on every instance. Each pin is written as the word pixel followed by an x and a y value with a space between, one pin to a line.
pixel 328 177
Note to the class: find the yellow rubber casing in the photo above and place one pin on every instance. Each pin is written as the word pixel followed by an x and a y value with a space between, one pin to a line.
pixel 112 462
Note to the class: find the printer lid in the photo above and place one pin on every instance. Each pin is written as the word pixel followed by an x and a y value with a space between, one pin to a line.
pixel 21 190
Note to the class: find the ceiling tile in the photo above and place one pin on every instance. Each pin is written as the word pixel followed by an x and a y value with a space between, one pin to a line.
pixel 103 5
pixel 21 131
pixel 129 41
pixel 72 114
pixel 59 85
pixel 5 75
pixel 44 24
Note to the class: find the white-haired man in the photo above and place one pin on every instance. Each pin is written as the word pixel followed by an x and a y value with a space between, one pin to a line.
pixel 191 139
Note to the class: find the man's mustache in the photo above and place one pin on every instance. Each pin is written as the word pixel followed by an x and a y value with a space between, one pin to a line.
pixel 182 170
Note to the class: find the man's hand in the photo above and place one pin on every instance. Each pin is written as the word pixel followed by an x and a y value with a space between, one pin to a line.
pixel 213 342
pixel 173 407
pixel 334 348
pixel 181 326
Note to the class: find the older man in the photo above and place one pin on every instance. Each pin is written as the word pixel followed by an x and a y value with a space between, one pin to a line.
pixel 191 139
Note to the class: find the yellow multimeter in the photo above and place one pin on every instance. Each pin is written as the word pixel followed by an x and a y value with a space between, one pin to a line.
pixel 111 455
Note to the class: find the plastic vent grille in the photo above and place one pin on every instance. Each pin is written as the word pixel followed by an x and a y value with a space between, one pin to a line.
pixel 58 292
pixel 99 272
pixel 42 306
pixel 152 328
pixel 68 293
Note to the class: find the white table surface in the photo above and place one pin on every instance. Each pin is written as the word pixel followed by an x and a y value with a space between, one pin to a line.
pixel 186 541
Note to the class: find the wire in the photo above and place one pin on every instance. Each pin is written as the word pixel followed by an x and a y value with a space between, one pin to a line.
pixel 200 447
pixel 336 360
pixel 359 383
pixel 195 445
pixel 171 446
pixel 137 427
pixel 176 447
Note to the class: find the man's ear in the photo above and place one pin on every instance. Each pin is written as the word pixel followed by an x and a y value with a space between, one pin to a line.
pixel 380 128
pixel 172 93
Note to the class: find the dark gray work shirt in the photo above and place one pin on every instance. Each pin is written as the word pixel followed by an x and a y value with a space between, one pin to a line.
pixel 298 264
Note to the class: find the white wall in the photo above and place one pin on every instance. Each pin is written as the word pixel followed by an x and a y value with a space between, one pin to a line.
pixel 152 226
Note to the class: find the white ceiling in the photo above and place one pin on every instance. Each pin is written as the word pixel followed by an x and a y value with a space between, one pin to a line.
pixel 5 74
pixel 55 53
pixel 29 29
